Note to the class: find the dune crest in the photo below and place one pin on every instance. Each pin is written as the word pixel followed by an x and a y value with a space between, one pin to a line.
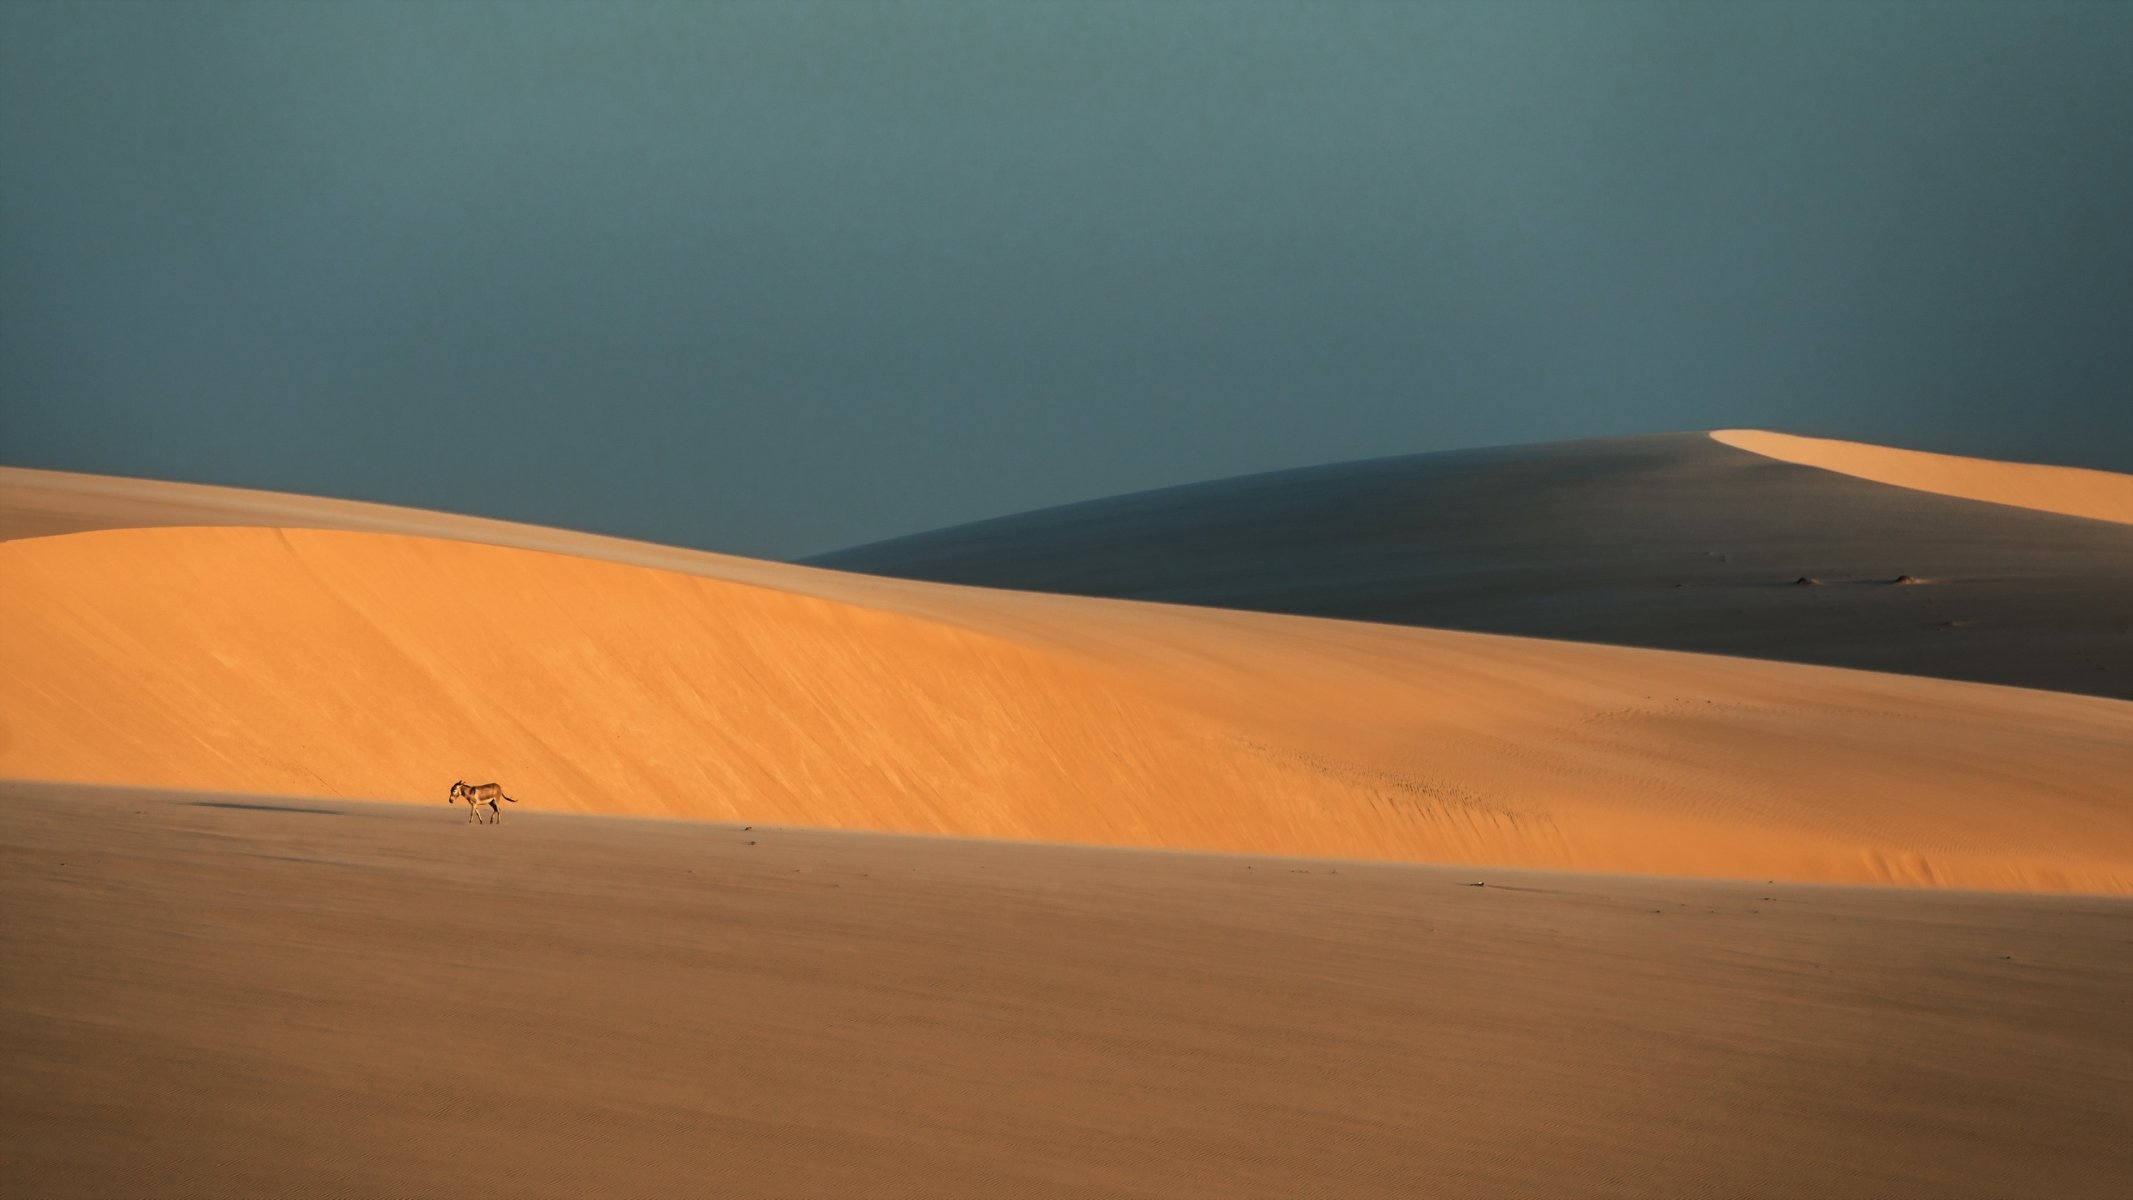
pixel 1671 541
pixel 331 663
pixel 2069 491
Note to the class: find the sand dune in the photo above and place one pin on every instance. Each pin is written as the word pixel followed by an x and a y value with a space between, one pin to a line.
pixel 2070 491
pixel 234 996
pixel 1676 542
pixel 336 663
pixel 264 987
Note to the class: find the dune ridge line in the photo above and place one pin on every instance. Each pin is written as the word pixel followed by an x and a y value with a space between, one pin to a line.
pixel 2069 491
pixel 332 663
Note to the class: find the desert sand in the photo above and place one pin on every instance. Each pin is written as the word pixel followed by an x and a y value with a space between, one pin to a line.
pixel 384 665
pixel 227 970
pixel 227 995
pixel 1672 541
pixel 2072 491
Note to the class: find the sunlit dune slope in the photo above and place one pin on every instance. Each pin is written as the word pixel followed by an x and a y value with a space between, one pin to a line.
pixel 1673 541
pixel 384 665
pixel 2071 491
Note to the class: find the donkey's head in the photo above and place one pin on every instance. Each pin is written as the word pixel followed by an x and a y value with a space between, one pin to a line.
pixel 459 788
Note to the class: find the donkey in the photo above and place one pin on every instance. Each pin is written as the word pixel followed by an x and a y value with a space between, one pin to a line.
pixel 476 795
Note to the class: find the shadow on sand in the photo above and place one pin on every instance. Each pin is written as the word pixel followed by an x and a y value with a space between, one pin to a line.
pixel 285 808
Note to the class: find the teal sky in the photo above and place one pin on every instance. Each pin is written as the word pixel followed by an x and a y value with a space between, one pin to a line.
pixel 776 279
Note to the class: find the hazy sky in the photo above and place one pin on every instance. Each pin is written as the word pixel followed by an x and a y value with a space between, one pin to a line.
pixel 777 279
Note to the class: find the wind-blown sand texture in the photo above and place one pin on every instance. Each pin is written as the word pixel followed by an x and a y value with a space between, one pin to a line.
pixel 375 665
pixel 227 996
pixel 2072 491
pixel 265 987
pixel 1673 541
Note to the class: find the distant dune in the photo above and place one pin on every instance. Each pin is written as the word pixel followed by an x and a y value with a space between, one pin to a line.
pixel 1676 542
pixel 629 679
pixel 2069 491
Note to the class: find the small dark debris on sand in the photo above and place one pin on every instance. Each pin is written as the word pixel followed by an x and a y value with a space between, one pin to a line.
pixel 1906 581
pixel 1807 581
pixel 1480 884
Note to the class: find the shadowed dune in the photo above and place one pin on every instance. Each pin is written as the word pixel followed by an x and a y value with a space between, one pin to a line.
pixel 236 1001
pixel 1674 541
pixel 338 663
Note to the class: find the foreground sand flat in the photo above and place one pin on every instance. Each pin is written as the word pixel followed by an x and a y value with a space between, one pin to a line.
pixel 235 995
